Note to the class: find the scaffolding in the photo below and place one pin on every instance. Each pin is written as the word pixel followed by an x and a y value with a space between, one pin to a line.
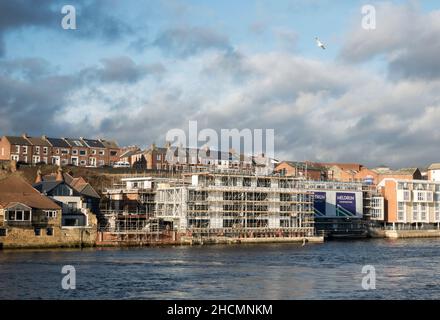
pixel 237 205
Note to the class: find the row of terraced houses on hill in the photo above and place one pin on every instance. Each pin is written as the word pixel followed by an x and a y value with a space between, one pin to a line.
pixel 59 151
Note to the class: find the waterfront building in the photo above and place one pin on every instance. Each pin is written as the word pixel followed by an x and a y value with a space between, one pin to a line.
pixel 30 219
pixel 235 205
pixel 434 172
pixel 339 207
pixel 75 196
pixel 411 204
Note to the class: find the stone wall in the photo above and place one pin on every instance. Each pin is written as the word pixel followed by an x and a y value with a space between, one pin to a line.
pixel 24 237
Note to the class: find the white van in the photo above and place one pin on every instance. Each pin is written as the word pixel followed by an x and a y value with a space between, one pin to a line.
pixel 121 164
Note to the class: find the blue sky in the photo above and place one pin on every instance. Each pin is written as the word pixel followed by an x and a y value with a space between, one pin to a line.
pixel 135 69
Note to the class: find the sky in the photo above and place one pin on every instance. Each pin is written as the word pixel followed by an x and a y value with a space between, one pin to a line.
pixel 133 70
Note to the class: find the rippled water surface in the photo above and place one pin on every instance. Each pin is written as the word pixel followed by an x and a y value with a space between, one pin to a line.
pixel 405 269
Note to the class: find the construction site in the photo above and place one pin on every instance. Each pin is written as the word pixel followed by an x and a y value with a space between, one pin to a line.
pixel 208 207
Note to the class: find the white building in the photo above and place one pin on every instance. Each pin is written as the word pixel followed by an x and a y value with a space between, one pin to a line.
pixel 236 204
pixel 434 172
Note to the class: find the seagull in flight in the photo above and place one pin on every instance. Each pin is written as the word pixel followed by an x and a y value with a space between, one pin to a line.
pixel 319 43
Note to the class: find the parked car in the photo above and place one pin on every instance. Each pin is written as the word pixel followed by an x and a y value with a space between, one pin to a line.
pixel 121 164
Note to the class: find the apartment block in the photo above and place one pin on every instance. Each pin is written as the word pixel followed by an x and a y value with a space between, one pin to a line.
pixel 411 202
pixel 434 172
pixel 236 205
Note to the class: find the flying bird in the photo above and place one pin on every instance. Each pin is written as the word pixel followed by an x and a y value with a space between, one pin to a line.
pixel 319 43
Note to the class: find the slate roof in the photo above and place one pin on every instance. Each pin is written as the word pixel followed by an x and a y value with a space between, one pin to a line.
pixel 78 184
pixel 109 144
pixel 46 186
pixel 73 142
pixel 58 143
pixel 18 140
pixel 92 143
pixel 37 141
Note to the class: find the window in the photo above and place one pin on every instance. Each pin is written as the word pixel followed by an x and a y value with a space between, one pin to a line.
pixel 423 211
pixel 400 211
pixel 58 151
pixel 64 162
pixel 49 231
pixel 64 151
pixel 93 151
pixel 51 214
pixel 415 213
pixel 37 150
pixel 420 196
pixel 18 215
pixel 246 182
pixel 11 215
pixel 83 162
pixel 37 231
pixel 17 149
pixel 45 150
pixel 113 153
pixel 25 149
pixel 74 152
pixel 36 159
pixel 158 157
pixel 102 152
pixel 406 196
pixel 3 232
pixel 437 211
pixel 101 163
pixel 82 152
pixel 15 157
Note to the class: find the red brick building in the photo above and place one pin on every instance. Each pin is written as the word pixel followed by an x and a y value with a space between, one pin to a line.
pixel 307 170
pixel 59 151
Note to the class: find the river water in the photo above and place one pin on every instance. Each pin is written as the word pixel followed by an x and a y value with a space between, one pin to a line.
pixel 405 269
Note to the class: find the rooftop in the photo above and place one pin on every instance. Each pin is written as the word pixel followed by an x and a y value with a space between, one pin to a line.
pixel 15 189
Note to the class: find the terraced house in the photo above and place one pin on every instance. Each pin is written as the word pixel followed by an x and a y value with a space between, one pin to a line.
pixel 59 151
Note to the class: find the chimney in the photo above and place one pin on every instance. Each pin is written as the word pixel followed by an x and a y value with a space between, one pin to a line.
pixel 25 135
pixel 39 178
pixel 60 176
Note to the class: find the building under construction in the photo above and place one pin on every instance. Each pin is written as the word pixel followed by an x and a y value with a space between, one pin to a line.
pixel 236 207
pixel 128 213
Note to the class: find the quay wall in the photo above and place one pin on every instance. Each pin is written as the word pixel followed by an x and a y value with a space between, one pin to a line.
pixel 396 234
pixel 63 237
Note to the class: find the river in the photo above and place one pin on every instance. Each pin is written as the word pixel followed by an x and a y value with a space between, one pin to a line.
pixel 405 269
